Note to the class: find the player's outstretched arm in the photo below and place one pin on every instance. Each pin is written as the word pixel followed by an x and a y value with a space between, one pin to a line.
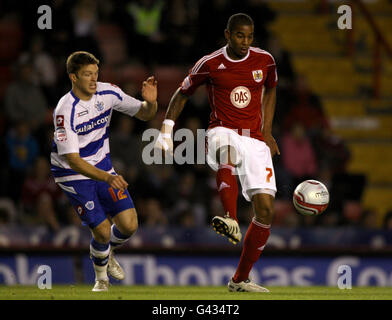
pixel 176 105
pixel 83 167
pixel 150 105
pixel 268 103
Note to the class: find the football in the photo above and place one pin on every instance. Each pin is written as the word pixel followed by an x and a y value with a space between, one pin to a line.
pixel 311 198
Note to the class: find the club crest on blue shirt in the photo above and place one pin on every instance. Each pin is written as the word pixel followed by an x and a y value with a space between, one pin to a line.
pixel 99 105
pixel 90 205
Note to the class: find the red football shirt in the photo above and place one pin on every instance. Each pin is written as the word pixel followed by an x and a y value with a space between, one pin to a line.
pixel 235 88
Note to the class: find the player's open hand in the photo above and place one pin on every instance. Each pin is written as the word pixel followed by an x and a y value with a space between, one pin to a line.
pixel 117 182
pixel 271 143
pixel 150 90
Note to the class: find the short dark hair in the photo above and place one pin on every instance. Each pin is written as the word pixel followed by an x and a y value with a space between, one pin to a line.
pixel 79 59
pixel 239 19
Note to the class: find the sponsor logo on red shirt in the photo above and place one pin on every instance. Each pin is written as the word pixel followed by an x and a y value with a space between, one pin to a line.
pixel 240 97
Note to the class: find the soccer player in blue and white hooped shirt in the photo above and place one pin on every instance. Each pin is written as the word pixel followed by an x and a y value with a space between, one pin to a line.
pixel 81 162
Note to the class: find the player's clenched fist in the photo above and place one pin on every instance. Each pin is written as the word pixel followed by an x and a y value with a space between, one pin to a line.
pixel 271 143
pixel 117 182
pixel 164 141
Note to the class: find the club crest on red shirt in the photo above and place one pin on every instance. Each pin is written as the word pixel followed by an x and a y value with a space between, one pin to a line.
pixel 257 75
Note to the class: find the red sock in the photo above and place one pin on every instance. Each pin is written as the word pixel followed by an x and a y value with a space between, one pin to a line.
pixel 226 182
pixel 255 239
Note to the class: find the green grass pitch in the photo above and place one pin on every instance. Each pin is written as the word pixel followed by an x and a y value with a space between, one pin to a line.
pixel 120 292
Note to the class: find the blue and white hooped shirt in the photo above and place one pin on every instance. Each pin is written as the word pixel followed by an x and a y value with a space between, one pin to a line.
pixel 83 127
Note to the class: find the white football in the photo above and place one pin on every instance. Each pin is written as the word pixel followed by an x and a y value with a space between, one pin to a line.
pixel 311 197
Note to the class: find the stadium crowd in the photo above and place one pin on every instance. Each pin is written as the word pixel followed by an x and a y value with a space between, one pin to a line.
pixel 134 39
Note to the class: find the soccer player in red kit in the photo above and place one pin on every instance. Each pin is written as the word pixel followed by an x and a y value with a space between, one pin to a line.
pixel 241 82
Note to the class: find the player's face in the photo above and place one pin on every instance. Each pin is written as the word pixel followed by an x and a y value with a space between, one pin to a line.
pixel 86 79
pixel 239 40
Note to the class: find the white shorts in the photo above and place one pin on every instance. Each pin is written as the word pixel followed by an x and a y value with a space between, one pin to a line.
pixel 253 160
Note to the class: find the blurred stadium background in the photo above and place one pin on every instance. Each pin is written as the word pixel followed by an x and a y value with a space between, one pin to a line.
pixel 333 123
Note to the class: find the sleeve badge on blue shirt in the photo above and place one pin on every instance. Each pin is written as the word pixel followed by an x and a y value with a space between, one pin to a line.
pixel 90 205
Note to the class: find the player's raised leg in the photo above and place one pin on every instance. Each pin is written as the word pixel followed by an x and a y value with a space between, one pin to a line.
pixel 99 251
pixel 254 242
pixel 124 226
pixel 228 192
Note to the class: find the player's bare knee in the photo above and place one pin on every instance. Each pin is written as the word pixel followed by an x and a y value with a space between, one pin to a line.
pixel 129 227
pixel 102 237
pixel 227 155
pixel 221 155
pixel 102 232
pixel 264 214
